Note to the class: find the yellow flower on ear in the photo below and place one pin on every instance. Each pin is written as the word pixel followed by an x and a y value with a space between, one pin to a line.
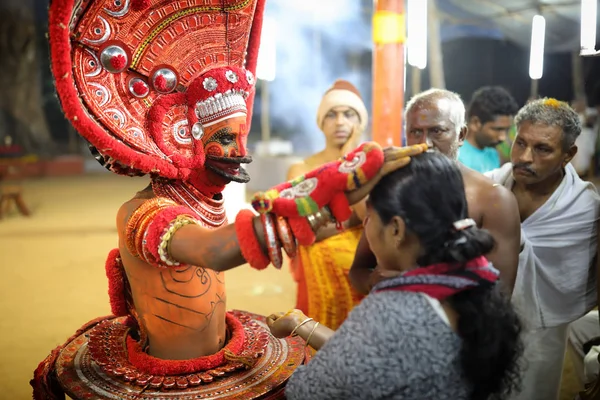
pixel 553 103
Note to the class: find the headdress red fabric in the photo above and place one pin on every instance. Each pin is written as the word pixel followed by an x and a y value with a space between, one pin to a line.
pixel 140 79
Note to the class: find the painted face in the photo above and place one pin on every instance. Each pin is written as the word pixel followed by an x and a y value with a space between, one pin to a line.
pixel 492 133
pixel 338 125
pixel 537 153
pixel 225 148
pixel 429 122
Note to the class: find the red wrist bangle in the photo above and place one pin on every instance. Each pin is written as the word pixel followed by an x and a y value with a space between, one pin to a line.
pixel 302 231
pixel 247 238
pixel 271 239
pixel 286 237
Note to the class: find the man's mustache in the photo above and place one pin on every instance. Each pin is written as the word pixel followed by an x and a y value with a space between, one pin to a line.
pixel 524 167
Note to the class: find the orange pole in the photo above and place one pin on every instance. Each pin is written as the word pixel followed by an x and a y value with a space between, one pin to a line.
pixel 388 71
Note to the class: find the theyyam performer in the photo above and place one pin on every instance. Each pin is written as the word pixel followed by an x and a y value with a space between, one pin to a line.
pixel 165 89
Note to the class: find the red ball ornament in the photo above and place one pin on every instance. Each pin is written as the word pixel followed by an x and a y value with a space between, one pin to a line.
pixel 140 88
pixel 161 83
pixel 118 62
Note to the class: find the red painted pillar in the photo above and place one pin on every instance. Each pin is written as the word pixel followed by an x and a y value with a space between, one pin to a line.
pixel 388 71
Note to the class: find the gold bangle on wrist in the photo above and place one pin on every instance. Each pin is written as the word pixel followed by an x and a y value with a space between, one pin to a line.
pixel 311 333
pixel 320 219
pixel 299 325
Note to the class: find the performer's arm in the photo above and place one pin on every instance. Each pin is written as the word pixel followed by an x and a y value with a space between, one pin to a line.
pixel 166 234
pixel 502 220
pixel 217 249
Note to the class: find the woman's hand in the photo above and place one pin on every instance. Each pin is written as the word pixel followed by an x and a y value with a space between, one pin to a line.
pixel 394 158
pixel 282 324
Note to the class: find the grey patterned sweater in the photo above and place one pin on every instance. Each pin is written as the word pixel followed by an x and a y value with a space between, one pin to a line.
pixel 393 345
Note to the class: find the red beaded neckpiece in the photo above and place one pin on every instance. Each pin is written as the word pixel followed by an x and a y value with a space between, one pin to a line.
pixel 210 211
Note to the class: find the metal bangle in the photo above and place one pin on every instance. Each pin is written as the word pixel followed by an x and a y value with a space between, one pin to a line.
pixel 299 325
pixel 311 333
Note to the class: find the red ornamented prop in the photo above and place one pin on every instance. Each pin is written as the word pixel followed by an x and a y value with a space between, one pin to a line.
pixel 326 185
pixel 302 231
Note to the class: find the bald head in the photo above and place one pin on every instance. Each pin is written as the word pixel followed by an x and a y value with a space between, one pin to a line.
pixel 436 117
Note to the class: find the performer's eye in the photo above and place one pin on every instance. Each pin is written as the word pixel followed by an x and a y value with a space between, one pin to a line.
pixel 227 139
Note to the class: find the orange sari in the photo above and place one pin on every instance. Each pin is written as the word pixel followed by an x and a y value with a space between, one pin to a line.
pixel 321 271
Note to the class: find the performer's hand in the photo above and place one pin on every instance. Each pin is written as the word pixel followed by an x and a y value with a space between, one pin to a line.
pixel 379 275
pixel 394 158
pixel 282 324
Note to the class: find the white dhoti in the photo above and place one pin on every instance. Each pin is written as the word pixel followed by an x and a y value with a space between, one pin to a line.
pixel 543 363
pixel 556 279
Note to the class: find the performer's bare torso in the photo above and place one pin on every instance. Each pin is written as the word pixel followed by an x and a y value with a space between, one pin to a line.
pixel 182 309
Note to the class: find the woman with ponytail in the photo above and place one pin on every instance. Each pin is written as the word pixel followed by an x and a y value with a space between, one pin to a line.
pixel 440 327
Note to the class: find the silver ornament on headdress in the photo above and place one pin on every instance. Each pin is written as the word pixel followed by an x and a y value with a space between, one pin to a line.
pixel 197 131
pixel 249 77
pixel 113 51
pixel 231 76
pixel 170 80
pixel 209 84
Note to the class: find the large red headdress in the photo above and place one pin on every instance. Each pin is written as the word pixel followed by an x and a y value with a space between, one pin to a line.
pixel 141 79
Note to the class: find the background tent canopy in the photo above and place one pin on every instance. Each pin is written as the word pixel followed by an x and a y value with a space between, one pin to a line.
pixel 511 20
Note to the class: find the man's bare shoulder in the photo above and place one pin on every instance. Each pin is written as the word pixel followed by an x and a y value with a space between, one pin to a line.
pixel 131 205
pixel 296 170
pixel 305 166
pixel 487 192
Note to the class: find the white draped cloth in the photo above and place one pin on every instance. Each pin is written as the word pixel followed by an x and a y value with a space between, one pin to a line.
pixel 556 279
